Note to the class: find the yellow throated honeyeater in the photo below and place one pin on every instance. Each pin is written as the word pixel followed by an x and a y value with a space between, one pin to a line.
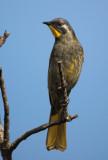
pixel 68 50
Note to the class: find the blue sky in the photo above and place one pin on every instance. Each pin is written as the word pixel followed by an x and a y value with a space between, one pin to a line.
pixel 24 59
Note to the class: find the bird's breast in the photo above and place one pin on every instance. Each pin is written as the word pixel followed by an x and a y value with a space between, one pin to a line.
pixel 71 56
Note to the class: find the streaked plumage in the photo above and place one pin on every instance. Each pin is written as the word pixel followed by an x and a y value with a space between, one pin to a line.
pixel 67 49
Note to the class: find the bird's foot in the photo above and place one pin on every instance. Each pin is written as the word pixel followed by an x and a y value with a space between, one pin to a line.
pixel 65 116
pixel 68 118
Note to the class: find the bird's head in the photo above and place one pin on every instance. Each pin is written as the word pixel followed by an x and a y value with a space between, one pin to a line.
pixel 60 27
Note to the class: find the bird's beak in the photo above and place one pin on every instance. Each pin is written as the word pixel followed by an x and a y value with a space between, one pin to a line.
pixel 47 23
pixel 54 30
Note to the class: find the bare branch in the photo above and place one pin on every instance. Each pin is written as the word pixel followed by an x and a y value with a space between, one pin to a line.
pixel 48 125
pixel 37 130
pixel 6 110
pixel 6 147
pixel 63 89
pixel 63 82
pixel 3 38
pixel 1 134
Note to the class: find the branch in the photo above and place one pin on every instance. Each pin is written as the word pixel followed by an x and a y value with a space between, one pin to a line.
pixel 6 110
pixel 37 130
pixel 6 147
pixel 63 83
pixel 65 118
pixel 3 38
pixel 63 89
pixel 1 134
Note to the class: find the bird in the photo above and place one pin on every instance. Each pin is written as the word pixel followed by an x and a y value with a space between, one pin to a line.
pixel 69 51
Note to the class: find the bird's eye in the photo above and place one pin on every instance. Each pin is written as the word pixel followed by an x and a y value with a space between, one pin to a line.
pixel 59 25
pixel 61 28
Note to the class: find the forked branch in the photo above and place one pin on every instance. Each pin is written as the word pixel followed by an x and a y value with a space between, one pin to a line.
pixel 6 110
pixel 7 148
pixel 3 38
pixel 37 130
pixel 48 125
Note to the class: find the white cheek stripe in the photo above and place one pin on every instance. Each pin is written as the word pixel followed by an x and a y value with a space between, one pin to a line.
pixel 66 27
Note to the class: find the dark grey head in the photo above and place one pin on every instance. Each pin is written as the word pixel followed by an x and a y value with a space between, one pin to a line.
pixel 59 27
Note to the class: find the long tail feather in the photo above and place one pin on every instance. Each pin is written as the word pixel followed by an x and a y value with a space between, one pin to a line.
pixel 56 136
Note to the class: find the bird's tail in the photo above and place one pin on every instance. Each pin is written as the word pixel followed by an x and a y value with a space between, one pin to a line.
pixel 56 136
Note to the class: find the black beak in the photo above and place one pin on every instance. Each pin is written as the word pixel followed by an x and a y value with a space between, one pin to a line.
pixel 47 23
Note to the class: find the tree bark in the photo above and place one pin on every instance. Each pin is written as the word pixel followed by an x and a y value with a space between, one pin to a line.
pixel 6 154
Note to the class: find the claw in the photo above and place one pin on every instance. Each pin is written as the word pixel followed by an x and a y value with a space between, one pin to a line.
pixel 65 116
pixel 68 118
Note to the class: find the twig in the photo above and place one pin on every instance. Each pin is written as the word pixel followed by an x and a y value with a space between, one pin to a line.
pixel 63 82
pixel 6 110
pixel 48 125
pixel 63 89
pixel 3 38
pixel 37 130
pixel 6 147
pixel 1 134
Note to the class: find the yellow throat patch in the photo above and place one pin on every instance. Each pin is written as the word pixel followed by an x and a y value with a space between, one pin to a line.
pixel 55 32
